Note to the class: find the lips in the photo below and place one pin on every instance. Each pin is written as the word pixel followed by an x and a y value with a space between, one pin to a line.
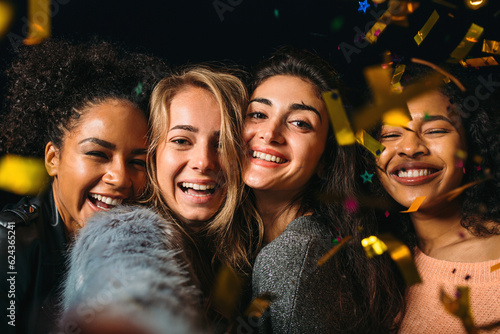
pixel 415 173
pixel 104 202
pixel 198 189
pixel 267 157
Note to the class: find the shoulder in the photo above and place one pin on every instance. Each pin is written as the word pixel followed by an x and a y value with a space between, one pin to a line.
pixel 20 214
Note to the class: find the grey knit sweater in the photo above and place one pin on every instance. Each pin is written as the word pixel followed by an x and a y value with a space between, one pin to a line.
pixel 302 291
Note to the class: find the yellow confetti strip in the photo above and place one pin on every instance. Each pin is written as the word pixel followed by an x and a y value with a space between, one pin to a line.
pixel 379 80
pixel 39 21
pixel 379 26
pixel 396 117
pixel 21 175
pixel 333 250
pixel 370 143
pixel 471 37
pixel 460 307
pixel 338 118
pixel 399 253
pixel 492 47
pixel 398 73
pixel 258 306
pixel 6 16
pixel 422 33
pixel 370 115
pixel 495 267
pixel 415 205
pixel 227 290
pixel 479 62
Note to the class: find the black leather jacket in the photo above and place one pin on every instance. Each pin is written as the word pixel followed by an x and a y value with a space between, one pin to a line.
pixel 31 274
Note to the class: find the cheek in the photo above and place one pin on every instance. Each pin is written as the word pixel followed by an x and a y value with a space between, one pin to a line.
pixel 248 132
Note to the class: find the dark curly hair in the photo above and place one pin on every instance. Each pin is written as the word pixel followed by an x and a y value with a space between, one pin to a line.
pixel 477 110
pixel 49 85
pixel 369 299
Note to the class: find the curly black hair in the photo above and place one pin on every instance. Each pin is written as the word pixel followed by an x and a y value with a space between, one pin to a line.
pixel 49 85
pixel 477 110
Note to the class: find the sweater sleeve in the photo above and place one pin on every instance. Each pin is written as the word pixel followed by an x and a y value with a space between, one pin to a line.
pixel 299 288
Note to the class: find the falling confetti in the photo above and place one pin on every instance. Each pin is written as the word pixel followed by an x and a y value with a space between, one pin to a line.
pixel 422 33
pixel 333 250
pixel 495 267
pixel 366 177
pixel 258 305
pixel 415 205
pixel 363 6
pixel 22 175
pixel 471 38
pixel 39 17
pixel 6 16
pixel 460 307
pixel 338 118
pixel 490 46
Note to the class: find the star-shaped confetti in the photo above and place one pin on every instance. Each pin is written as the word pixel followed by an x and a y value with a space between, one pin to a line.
pixel 366 177
pixel 363 6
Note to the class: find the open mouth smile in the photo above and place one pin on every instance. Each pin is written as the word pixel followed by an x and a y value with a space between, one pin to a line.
pixel 197 189
pixel 268 157
pixel 104 202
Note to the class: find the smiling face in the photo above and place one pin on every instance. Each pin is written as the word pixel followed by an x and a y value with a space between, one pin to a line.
pixel 285 131
pixel 187 161
pixel 420 160
pixel 101 161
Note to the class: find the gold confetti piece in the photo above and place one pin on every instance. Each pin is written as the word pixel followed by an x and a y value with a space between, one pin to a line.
pixel 6 16
pixel 370 115
pixel 398 73
pixel 379 80
pixel 478 159
pixel 21 175
pixel 39 21
pixel 396 117
pixel 258 305
pixel 452 194
pixel 492 47
pixel 370 143
pixel 479 62
pixel 471 37
pixel 422 33
pixel 379 26
pixel 461 154
pixel 398 251
pixel 227 290
pixel 415 205
pixel 495 267
pixel 475 4
pixel 338 118
pixel 460 307
pixel 333 250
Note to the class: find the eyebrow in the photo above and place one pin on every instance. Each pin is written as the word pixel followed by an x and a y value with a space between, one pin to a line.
pixel 430 118
pixel 293 107
pixel 191 129
pixel 110 146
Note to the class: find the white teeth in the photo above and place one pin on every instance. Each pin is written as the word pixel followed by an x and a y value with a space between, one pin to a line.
pixel 414 173
pixel 107 200
pixel 266 157
pixel 196 186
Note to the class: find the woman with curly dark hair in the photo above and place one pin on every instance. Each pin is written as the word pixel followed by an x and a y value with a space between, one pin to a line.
pixel 450 153
pixel 84 108
pixel 301 180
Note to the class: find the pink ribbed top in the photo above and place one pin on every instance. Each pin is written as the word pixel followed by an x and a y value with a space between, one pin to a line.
pixel 426 314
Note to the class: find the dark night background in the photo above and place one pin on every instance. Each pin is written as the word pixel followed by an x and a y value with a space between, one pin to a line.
pixel 184 31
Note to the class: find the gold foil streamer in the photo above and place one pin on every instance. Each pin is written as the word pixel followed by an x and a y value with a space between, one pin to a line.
pixel 471 38
pixel 370 143
pixel 422 33
pixel 396 117
pixel 379 27
pixel 379 80
pixel 417 202
pixel 460 307
pixel 258 305
pixel 333 250
pixel 452 194
pixel 21 175
pixel 6 16
pixel 495 267
pixel 399 253
pixel 338 118
pixel 39 21
pixel 492 47
pixel 227 290
pixel 398 74
pixel 475 4
pixel 370 115
pixel 479 62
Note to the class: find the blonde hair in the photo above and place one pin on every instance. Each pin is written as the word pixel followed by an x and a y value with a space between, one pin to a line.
pixel 229 236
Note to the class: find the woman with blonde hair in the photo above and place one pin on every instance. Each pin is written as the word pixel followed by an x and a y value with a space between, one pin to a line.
pixel 194 184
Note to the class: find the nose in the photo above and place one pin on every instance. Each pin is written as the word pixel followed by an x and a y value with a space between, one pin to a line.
pixel 412 145
pixel 118 175
pixel 271 132
pixel 204 158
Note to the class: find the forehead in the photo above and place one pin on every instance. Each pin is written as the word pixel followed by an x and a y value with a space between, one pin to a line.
pixel 430 103
pixel 195 106
pixel 286 86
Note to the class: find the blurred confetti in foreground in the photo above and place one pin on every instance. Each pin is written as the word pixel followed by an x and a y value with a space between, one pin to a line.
pixel 21 175
pixel 6 16
pixel 333 250
pixel 39 21
pixel 258 305
pixel 460 307
pixel 227 290
pixel 338 118
pixel 398 252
